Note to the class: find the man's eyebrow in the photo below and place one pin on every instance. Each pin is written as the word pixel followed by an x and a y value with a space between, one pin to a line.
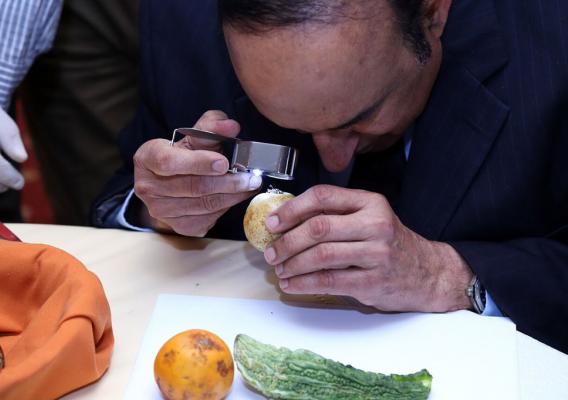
pixel 363 115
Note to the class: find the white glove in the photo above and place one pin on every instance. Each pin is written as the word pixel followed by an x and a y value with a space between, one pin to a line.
pixel 11 145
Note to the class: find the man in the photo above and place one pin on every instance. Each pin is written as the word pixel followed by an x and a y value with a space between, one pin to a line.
pixel 438 127
pixel 27 28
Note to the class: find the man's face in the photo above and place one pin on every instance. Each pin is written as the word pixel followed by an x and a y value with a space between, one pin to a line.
pixel 354 86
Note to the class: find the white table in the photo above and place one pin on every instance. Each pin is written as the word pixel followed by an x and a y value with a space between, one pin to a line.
pixel 135 267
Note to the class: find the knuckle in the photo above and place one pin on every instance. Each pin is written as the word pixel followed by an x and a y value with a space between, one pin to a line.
pixel 211 202
pixel 162 161
pixel 235 186
pixel 319 227
pixel 378 199
pixel 322 193
pixel 386 228
pixel 324 254
pixel 143 189
pixel 200 186
pixel 284 243
pixel 327 280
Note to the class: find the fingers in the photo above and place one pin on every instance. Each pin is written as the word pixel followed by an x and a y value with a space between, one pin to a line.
pixel 171 207
pixel 317 200
pixel 344 282
pixel 194 226
pixel 218 122
pixel 186 186
pixel 10 139
pixel 319 229
pixel 195 186
pixel 333 255
pixel 10 178
pixel 162 159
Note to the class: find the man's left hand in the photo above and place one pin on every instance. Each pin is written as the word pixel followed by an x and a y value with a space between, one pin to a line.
pixel 350 242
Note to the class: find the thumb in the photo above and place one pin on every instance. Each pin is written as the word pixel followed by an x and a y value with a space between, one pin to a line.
pixel 10 139
pixel 212 121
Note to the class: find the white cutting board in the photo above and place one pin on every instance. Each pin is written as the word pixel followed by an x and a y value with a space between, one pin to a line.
pixel 469 356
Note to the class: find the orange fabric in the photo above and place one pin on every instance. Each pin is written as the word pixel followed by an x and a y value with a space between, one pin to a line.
pixel 55 325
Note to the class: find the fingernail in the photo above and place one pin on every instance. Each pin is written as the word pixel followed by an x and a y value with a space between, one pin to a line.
pixel 219 166
pixel 279 269
pixel 283 284
pixel 255 182
pixel 272 222
pixel 270 254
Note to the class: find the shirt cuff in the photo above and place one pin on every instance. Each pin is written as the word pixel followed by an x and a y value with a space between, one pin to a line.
pixel 491 309
pixel 121 216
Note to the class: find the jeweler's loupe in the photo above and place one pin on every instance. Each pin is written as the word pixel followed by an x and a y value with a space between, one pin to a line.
pixel 262 159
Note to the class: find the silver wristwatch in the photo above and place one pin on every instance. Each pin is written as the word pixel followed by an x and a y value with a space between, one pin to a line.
pixel 476 293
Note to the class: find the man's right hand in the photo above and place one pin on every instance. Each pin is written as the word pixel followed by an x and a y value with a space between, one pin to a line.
pixel 186 187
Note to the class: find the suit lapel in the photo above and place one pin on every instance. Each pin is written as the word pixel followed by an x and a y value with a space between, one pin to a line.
pixel 450 143
pixel 454 135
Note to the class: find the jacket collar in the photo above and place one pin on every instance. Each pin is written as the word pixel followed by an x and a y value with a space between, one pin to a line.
pixel 474 36
pixel 454 135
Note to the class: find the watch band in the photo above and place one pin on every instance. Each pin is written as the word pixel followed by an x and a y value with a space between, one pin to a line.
pixel 477 296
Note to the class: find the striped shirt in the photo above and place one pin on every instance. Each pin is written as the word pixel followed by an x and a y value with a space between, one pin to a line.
pixel 27 29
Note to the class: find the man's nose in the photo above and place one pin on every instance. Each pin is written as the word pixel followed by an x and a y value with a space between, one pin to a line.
pixel 336 149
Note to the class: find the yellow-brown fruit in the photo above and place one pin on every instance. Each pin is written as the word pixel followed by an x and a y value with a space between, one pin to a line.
pixel 255 217
pixel 194 364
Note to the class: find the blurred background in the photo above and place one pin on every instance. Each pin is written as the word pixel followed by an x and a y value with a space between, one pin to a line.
pixel 71 106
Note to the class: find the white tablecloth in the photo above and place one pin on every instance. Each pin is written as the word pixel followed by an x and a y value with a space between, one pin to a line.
pixel 135 267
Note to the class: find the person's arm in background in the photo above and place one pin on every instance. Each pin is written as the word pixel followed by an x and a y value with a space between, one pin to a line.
pixel 27 29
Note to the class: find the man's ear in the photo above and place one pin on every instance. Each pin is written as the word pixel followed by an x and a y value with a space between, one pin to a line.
pixel 436 13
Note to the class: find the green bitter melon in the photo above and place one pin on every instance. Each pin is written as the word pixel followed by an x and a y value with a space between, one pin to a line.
pixel 279 373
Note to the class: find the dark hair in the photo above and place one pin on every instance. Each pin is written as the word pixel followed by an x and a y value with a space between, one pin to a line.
pixel 410 16
pixel 257 16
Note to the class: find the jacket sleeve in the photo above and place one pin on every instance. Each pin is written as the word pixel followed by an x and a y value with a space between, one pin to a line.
pixel 528 280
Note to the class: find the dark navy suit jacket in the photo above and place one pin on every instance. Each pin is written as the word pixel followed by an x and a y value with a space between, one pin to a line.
pixel 488 168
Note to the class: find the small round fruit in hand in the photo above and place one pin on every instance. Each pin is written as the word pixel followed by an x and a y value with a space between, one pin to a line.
pixel 194 364
pixel 257 212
